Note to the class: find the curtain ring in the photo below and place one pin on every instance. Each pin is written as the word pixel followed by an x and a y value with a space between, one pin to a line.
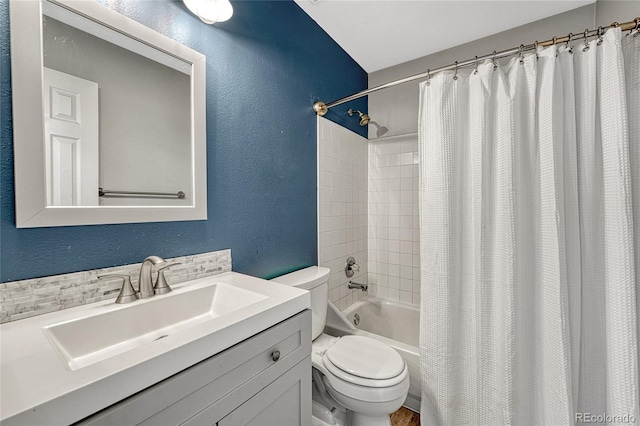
pixel 637 27
pixel 586 40
pixel 455 74
pixel 495 63
pixel 555 40
pixel 569 46
pixel 535 48
pixel 520 50
pixel 428 77
pixel 600 33
pixel 476 61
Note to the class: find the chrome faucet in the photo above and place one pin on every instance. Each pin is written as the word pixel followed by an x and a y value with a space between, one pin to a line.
pixel 145 282
pixel 362 287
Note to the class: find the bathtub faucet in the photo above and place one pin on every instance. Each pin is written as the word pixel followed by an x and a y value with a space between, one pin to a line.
pixel 362 287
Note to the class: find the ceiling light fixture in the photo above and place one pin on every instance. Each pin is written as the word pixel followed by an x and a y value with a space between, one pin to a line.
pixel 210 11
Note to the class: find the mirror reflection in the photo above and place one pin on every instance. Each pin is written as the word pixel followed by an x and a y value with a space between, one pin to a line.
pixel 117 118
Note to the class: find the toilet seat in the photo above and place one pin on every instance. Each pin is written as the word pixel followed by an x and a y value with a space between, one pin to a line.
pixel 354 386
pixel 364 361
pixel 368 393
pixel 361 381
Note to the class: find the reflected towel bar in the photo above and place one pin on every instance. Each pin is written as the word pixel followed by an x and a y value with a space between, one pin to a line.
pixel 106 192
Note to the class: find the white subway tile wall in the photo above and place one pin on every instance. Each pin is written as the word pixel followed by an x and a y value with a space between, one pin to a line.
pixel 394 233
pixel 342 207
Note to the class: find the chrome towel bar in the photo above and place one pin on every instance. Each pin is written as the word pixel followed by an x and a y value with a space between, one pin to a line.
pixel 106 192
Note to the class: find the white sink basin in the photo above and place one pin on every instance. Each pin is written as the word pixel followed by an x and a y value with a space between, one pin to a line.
pixel 69 364
pixel 87 340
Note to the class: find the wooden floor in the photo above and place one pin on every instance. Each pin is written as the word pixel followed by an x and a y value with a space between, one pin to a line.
pixel 405 417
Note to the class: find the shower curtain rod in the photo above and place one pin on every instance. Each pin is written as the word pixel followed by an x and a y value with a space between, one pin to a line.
pixel 321 108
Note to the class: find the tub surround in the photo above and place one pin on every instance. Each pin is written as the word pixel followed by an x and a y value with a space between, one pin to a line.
pixel 37 296
pixel 368 209
pixel 39 388
pixel 342 207
pixel 394 223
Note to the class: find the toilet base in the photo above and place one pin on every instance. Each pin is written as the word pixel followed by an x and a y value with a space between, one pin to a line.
pixel 339 411
pixel 359 419
pixel 326 411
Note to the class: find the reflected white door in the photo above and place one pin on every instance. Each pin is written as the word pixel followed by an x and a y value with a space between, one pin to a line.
pixel 71 139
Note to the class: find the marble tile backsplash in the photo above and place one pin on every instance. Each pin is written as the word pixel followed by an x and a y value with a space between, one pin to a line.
pixel 37 296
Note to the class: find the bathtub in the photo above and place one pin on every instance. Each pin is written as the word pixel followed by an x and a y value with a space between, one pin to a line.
pixel 393 323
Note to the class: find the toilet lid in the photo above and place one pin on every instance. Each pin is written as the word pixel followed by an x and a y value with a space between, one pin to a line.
pixel 365 357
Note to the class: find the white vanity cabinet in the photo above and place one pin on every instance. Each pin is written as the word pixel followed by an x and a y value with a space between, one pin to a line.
pixel 263 380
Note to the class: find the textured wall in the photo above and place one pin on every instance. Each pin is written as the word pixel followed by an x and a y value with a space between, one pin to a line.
pixel 265 67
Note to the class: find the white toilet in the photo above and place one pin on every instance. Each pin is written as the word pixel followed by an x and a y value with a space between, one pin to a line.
pixel 360 374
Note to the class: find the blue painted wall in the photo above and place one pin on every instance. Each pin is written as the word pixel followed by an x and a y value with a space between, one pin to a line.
pixel 265 68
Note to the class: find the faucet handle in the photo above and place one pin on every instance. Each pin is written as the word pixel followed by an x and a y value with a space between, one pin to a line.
pixel 351 267
pixel 162 286
pixel 127 293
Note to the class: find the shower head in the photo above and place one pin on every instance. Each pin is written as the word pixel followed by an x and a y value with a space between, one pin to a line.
pixel 380 130
pixel 364 118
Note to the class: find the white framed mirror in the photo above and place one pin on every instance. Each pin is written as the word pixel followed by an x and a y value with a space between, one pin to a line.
pixel 108 118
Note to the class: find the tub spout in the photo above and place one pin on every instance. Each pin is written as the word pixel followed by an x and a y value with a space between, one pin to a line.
pixel 362 287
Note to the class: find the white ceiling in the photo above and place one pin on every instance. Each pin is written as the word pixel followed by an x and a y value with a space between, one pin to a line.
pixel 381 33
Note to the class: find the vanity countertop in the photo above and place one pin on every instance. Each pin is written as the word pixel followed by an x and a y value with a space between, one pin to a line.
pixel 38 386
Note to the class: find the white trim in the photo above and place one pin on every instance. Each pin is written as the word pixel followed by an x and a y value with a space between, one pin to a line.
pixel 28 124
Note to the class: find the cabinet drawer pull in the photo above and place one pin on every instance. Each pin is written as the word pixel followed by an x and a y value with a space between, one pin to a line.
pixel 275 355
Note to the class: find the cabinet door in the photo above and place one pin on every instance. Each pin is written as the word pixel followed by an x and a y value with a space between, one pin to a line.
pixel 286 401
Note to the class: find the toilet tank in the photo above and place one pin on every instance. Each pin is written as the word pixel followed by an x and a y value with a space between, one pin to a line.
pixel 315 279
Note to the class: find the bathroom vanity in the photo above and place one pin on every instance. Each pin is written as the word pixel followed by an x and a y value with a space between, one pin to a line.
pixel 263 380
pixel 246 359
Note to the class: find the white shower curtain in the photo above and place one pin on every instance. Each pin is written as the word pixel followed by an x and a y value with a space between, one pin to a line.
pixel 529 216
